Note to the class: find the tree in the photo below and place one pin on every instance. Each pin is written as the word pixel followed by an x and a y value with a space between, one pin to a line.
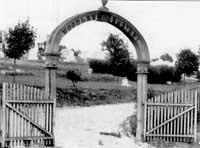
pixel 19 40
pixel 187 62
pixel 166 57
pixel 74 76
pixel 118 55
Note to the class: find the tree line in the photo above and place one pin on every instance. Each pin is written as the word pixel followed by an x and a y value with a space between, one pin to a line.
pixel 118 62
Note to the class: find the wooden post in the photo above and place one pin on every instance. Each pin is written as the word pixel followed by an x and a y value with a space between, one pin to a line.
pixel 3 115
pixel 141 98
pixel 50 86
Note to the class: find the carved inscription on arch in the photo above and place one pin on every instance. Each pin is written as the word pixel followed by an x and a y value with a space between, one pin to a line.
pixel 111 19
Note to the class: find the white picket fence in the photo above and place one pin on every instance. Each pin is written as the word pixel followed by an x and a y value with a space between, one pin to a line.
pixel 26 116
pixel 172 116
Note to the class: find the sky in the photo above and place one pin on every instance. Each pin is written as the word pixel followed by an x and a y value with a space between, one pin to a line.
pixel 167 27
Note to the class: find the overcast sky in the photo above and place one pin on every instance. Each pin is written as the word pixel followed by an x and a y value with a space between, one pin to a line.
pixel 166 26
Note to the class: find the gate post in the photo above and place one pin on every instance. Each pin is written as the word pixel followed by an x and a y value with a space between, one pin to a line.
pixel 3 115
pixel 142 70
pixel 50 83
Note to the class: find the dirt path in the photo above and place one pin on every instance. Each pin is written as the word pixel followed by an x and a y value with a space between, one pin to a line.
pixel 81 127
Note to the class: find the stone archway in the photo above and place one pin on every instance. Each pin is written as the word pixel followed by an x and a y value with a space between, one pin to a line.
pixel 52 55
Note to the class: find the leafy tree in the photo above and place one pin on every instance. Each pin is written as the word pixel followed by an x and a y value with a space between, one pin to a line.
pixel 118 55
pixel 74 76
pixel 187 62
pixel 19 40
pixel 166 57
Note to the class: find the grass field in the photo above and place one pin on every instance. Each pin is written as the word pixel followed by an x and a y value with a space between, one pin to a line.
pixel 97 85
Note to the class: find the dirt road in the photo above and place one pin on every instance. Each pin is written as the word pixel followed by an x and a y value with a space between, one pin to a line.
pixel 81 127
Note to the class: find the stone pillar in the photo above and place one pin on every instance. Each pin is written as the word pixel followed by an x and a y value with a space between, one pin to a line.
pixel 142 70
pixel 50 82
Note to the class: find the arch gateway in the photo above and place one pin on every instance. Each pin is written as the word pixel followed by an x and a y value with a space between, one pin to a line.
pixel 102 15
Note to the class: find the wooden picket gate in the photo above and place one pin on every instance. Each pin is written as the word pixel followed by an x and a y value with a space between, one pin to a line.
pixel 172 116
pixel 26 116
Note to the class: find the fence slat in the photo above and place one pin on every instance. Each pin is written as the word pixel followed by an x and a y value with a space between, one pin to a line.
pixel 165 114
pixel 145 112
pixel 195 116
pixel 184 116
pixel 171 115
pixel 175 113
pixel 158 116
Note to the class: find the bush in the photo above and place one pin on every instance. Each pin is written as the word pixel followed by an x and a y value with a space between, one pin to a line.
pixel 104 67
pixel 163 73
pixel 198 75
pixel 157 74
pixel 131 71
pixel 100 66
pixel 74 76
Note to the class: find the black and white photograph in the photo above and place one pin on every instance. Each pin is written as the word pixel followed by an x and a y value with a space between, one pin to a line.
pixel 100 74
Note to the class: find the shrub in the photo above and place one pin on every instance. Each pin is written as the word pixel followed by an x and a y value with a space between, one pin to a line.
pixel 157 74
pixel 74 76
pixel 100 66
pixel 104 67
pixel 131 71
pixel 162 73
pixel 198 75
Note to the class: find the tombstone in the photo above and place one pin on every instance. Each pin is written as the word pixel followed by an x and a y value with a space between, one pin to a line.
pixel 125 82
pixel 90 70
pixel 169 82
pixel 18 70
pixel 10 67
